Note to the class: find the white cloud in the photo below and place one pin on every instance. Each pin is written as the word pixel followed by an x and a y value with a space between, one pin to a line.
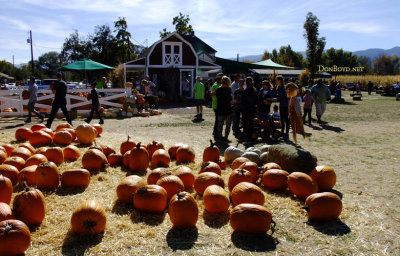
pixel 356 27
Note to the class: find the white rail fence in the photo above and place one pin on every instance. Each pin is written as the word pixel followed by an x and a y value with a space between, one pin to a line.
pixel 14 99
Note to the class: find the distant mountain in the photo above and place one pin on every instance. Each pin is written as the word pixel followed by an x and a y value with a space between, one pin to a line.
pixel 372 53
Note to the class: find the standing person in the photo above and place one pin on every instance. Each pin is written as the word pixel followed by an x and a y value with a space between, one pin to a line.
pixel 94 96
pixel 207 96
pixel 214 87
pixel 397 90
pixel 296 121
pixel 60 90
pixel 235 83
pixel 199 92
pixel 249 104
pixel 282 98
pixel 265 97
pixel 307 106
pixel 33 88
pixel 224 109
pixel 237 109
pixel 320 95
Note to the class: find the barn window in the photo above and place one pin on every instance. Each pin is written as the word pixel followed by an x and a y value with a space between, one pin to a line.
pixel 172 53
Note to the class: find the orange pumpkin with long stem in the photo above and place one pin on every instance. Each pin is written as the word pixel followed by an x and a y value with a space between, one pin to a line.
pixel 127 145
pixel 211 153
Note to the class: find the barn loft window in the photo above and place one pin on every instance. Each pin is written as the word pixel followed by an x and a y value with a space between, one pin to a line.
pixel 172 53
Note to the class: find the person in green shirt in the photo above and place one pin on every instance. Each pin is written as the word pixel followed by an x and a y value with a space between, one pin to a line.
pixel 214 87
pixel 199 91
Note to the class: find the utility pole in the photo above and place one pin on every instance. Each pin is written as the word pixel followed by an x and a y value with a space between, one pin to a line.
pixel 13 73
pixel 30 40
pixel 237 57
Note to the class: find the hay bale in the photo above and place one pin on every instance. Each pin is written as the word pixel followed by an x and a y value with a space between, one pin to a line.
pixel 292 159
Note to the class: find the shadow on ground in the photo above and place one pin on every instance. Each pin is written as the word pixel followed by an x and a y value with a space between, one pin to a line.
pixel 151 219
pixel 254 242
pixel 216 220
pixel 76 245
pixel 182 239
pixel 332 227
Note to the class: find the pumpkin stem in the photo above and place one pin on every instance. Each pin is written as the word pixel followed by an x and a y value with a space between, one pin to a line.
pixel 26 187
pixel 180 195
pixel 7 229
pixel 211 143
pixel 138 145
pixel 89 224
pixel 128 138
pixel 307 208
pixel 205 164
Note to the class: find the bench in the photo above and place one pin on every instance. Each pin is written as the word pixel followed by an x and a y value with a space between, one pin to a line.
pixel 356 96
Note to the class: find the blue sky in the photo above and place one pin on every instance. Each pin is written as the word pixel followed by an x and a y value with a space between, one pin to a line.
pixel 229 26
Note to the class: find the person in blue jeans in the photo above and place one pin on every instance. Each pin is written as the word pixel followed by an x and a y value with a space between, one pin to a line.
pixel 94 96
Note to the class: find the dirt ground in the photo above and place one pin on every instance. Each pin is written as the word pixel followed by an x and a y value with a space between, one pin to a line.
pixel 360 141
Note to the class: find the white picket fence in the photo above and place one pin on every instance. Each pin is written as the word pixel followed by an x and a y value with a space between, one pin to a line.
pixel 14 99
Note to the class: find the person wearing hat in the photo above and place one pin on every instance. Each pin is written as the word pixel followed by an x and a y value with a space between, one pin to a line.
pixel 214 87
pixel 60 101
pixel 33 88
pixel 199 92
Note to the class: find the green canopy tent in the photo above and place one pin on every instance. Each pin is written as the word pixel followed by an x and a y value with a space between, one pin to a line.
pixel 85 64
pixel 269 63
pixel 237 66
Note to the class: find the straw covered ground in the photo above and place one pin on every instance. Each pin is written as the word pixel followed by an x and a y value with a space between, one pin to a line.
pixel 360 141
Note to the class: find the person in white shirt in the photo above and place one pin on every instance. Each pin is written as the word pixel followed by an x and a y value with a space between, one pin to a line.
pixel 33 88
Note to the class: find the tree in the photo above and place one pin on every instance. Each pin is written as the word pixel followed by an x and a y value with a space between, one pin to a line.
pixel 48 63
pixel 75 48
pixel 315 45
pixel 365 62
pixel 266 55
pixel 337 57
pixel 181 23
pixel 126 49
pixel 104 44
pixel 387 65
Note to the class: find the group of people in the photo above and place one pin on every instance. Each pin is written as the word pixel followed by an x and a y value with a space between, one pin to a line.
pixel 237 103
pixel 60 102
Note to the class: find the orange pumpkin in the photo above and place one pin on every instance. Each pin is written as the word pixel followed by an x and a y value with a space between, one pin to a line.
pixel 75 178
pixel 28 146
pixel 210 167
pixel 252 168
pixel 246 192
pixel 126 146
pixel 36 159
pixel 41 150
pixel 323 206
pixel 128 187
pixel 15 161
pixel 98 128
pixel 10 172
pixel 3 156
pixel 6 189
pixel 186 175
pixel 94 160
pixel 47 176
pixel 63 126
pixel 301 184
pixel 27 174
pixel 324 176
pixel 126 158
pixel 71 153
pixel 62 138
pixel 23 134
pixel 171 184
pixel 250 218
pixel 49 132
pixel 39 138
pixel 85 133
pixel 238 162
pixel 15 237
pixel 160 158
pixel 5 212
pixel 275 179
pixel 22 152
pixel 206 179
pixel 269 166
pixel 156 174
pixel 152 147
pixel 38 127
pixel 114 159
pixel 150 198
pixel 89 218
pixel 172 150
pixel 139 159
pixel 71 131
pixel 183 211
pixel 29 206
pixel 237 176
pixel 8 147
pixel 211 153
pixel 107 150
pixel 185 154
pixel 215 199
pixel 55 154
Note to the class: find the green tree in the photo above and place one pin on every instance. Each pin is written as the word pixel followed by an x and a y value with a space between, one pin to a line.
pixel 125 48
pixel 75 48
pixel 48 63
pixel 338 57
pixel 365 62
pixel 104 44
pixel 181 23
pixel 387 65
pixel 266 55
pixel 315 45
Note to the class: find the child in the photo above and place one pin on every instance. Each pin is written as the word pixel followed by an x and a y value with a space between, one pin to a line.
pixel 295 118
pixel 307 106
pixel 199 91
pixel 276 115
pixel 95 104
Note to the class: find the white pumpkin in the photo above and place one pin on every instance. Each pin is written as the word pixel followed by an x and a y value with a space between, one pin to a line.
pixel 231 153
pixel 252 156
pixel 264 158
pixel 253 149
pixel 265 148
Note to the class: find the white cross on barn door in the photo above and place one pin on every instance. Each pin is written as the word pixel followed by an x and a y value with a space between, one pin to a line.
pixel 172 53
